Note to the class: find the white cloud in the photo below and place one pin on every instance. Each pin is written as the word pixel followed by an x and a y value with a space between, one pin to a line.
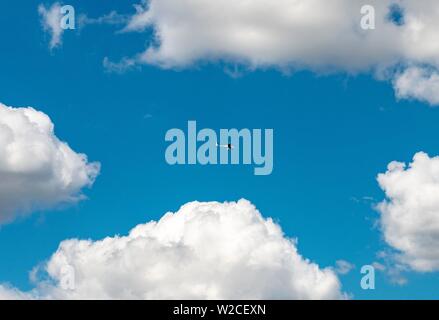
pixel 36 169
pixel 410 214
pixel 343 267
pixel 139 21
pixel 119 67
pixel 391 267
pixel 418 83
pixel 51 22
pixel 379 266
pixel 112 18
pixel 10 293
pixel 206 250
pixel 318 35
pixel 306 33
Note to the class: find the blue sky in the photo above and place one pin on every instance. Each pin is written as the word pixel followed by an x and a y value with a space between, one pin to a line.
pixel 333 134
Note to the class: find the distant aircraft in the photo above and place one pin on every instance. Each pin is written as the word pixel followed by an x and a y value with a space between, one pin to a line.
pixel 228 146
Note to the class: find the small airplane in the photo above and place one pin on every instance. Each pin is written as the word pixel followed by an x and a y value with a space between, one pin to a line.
pixel 228 146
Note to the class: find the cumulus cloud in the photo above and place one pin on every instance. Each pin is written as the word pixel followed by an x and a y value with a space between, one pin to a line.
pixel 205 250
pixel 37 170
pixel 410 214
pixel 51 22
pixel 309 33
pixel 418 83
pixel 305 33
pixel 318 35
pixel 10 293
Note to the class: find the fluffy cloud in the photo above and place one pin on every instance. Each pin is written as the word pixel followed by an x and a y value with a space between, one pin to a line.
pixel 418 83
pixel 51 22
pixel 410 214
pixel 206 250
pixel 10 293
pixel 304 33
pixel 318 35
pixel 36 169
